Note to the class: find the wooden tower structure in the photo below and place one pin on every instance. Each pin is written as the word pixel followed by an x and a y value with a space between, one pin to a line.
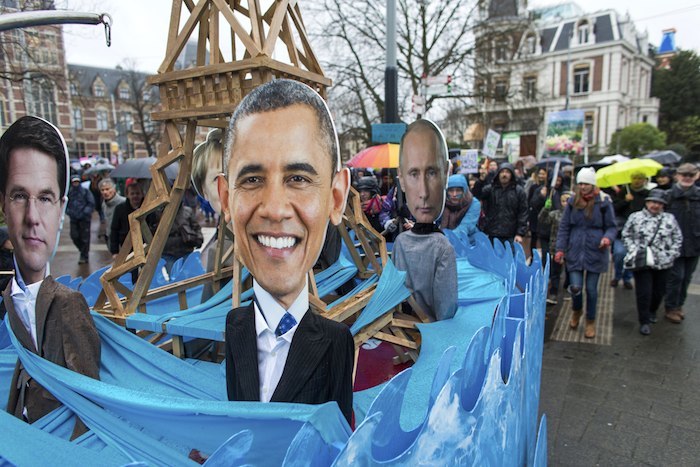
pixel 239 47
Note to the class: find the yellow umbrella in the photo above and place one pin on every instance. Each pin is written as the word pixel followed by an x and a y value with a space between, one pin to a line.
pixel 621 172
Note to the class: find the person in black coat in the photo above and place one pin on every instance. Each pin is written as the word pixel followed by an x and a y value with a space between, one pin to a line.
pixel 684 203
pixel 505 207
pixel 81 203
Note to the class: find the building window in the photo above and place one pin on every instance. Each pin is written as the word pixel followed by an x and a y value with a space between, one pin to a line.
pixel 480 90
pixel 3 113
pixel 588 125
pixel 501 90
pixel 105 150
pixel 102 120
pixel 127 121
pixel 131 150
pixel 78 118
pixel 530 44
pixel 80 149
pixel 124 93
pixel 502 47
pixel 645 118
pixel 583 32
pixel 582 79
pixel 98 90
pixel 147 124
pixel 73 89
pixel 40 101
pixel 530 88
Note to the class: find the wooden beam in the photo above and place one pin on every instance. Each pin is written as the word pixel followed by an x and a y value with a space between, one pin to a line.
pixel 178 44
pixel 251 47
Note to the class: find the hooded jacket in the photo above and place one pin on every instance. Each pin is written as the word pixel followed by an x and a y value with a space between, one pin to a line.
pixel 505 208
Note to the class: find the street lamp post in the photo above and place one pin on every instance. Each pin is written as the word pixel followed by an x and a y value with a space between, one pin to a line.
pixel 391 73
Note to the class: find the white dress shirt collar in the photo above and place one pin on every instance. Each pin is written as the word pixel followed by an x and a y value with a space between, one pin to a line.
pixel 24 300
pixel 272 312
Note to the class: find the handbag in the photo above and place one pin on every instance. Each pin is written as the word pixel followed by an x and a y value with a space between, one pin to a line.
pixel 643 257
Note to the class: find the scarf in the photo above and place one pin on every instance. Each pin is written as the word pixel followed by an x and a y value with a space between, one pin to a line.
pixel 455 210
pixel 586 202
pixel 425 228
pixel 373 206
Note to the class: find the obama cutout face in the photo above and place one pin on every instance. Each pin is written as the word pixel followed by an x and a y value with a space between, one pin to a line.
pixel 281 189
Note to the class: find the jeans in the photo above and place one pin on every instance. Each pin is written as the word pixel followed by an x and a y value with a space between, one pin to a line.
pixel 619 252
pixel 678 280
pixel 650 286
pixel 576 289
pixel 80 234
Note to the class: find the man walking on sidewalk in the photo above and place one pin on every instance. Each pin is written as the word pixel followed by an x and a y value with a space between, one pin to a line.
pixel 81 203
pixel 684 203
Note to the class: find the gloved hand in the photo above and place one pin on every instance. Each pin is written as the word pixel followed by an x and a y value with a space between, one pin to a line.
pixel 604 243
pixel 548 203
pixel 390 225
pixel 559 257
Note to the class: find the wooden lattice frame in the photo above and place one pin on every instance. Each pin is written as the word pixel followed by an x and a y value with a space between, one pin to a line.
pixel 205 96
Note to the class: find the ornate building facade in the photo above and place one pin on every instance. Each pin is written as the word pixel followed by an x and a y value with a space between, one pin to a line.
pixel 532 62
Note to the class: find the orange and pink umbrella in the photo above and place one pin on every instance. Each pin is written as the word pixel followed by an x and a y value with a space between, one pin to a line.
pixel 383 156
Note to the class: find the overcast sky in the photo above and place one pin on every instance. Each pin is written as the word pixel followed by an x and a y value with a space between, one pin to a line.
pixel 139 29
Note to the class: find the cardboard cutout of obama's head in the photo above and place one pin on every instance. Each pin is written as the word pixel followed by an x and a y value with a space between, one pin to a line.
pixel 34 171
pixel 423 170
pixel 283 183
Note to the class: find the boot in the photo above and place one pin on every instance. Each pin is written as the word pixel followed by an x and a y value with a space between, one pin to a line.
pixel 575 318
pixel 589 333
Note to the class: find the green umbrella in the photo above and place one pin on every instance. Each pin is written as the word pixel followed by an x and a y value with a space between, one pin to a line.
pixel 621 172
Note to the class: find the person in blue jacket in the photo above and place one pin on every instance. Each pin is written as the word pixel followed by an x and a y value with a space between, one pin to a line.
pixel 462 209
pixel 586 232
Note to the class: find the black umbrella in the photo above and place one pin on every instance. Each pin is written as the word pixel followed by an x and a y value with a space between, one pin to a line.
pixel 548 161
pixel 667 157
pixel 140 168
pixel 103 167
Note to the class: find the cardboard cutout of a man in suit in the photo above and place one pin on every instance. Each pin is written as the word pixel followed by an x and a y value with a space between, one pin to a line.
pixel 424 252
pixel 283 184
pixel 48 318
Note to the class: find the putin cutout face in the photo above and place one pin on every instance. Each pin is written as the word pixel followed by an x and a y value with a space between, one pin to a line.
pixel 32 205
pixel 423 176
pixel 280 204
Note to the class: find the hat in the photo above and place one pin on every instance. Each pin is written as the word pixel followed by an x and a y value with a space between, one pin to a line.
pixel 586 175
pixel 368 184
pixel 666 172
pixel 657 195
pixel 687 169
pixel 74 178
pixel 457 181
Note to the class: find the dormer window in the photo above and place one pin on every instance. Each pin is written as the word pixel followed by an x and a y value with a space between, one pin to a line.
pixel 98 89
pixel 583 32
pixel 502 47
pixel 124 93
pixel 529 44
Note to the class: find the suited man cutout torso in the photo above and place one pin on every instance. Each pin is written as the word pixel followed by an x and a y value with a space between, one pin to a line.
pixel 283 186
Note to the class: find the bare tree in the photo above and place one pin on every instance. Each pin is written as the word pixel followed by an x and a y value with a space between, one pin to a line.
pixel 433 38
pixel 142 97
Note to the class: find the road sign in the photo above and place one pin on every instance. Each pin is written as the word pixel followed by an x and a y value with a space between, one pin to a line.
pixel 434 80
pixel 388 132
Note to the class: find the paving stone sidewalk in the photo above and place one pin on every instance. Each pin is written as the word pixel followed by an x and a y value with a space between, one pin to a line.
pixel 634 402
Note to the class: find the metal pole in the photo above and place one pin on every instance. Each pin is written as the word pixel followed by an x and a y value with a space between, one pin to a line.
pixel 27 19
pixel 391 73
pixel 568 71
